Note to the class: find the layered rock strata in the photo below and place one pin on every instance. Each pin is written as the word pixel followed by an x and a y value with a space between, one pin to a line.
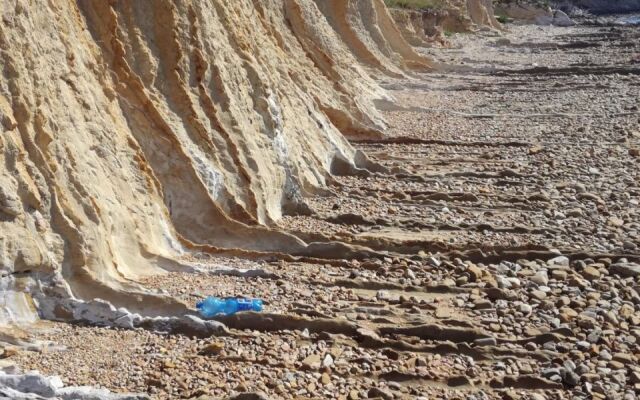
pixel 133 133
pixel 428 27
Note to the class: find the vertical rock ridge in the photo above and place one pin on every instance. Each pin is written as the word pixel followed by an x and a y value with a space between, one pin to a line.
pixel 427 27
pixel 132 133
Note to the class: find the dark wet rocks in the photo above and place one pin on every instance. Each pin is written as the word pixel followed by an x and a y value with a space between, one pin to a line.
pixel 380 393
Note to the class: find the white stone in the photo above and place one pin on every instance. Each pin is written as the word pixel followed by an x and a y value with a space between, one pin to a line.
pixel 540 278
pixel 515 282
pixel 544 20
pixel 126 322
pixel 560 260
pixel 525 308
pixel 562 19
pixel 328 361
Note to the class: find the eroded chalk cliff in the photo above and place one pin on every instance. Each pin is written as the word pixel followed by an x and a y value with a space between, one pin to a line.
pixel 135 132
pixel 427 27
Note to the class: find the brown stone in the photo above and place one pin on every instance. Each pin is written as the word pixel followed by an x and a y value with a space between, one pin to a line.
pixel 483 305
pixel 538 294
pixel 591 273
pixel 475 273
pixel 559 274
pixel 536 149
pixel 155 382
pixel 626 311
pixel 625 358
pixel 613 364
pixel 443 313
pixel 335 352
pixel 616 222
pixel 567 314
pixel 212 349
pixel 10 352
pixel 312 362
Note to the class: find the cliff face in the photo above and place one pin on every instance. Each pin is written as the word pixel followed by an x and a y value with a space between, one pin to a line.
pixel 529 12
pixel 369 32
pixel 132 132
pixel 427 27
pixel 482 14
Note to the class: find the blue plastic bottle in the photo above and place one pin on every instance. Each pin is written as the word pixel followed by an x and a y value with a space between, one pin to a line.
pixel 212 306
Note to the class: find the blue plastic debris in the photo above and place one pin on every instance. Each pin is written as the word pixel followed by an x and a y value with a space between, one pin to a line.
pixel 212 306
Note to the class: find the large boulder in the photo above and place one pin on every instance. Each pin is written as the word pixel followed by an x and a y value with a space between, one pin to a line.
pixel 526 12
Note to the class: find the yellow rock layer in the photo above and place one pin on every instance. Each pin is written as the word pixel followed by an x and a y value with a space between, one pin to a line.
pixel 132 132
